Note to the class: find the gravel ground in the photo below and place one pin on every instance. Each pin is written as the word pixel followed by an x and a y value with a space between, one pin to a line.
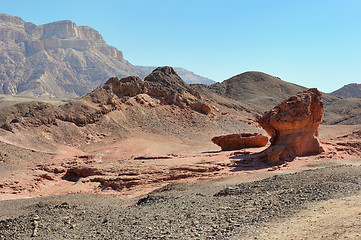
pixel 179 211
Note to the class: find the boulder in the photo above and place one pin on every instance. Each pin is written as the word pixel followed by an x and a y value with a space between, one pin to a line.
pixel 293 126
pixel 239 141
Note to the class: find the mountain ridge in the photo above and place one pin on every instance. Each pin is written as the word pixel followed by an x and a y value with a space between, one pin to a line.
pixel 187 76
pixel 352 90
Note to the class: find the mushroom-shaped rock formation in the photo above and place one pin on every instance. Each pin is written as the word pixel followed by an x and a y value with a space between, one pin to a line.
pixel 293 126
pixel 239 141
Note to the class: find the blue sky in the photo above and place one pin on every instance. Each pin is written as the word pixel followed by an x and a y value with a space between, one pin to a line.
pixel 311 43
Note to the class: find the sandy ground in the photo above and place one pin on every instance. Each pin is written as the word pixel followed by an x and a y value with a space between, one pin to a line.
pixel 140 164
pixel 132 168
pixel 332 219
pixel 309 209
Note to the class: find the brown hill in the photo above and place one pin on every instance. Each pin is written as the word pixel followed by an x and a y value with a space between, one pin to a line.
pixel 352 90
pixel 58 59
pixel 260 92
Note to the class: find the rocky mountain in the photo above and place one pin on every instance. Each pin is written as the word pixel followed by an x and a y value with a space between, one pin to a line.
pixel 58 59
pixel 187 76
pixel 259 92
pixel 352 90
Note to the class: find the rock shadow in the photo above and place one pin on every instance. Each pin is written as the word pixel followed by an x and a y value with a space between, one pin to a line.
pixel 248 162
pixel 210 152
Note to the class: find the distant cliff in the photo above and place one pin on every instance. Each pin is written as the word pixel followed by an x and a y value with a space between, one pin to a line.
pixel 58 59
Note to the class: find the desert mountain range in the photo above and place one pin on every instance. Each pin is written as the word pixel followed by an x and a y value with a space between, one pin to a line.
pixel 61 59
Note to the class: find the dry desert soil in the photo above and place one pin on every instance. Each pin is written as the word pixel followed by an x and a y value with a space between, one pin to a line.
pixel 183 191
pixel 134 160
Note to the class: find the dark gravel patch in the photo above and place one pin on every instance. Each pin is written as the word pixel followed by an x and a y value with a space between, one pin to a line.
pixel 232 212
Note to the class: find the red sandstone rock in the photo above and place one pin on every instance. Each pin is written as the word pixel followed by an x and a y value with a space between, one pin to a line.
pixel 239 141
pixel 293 126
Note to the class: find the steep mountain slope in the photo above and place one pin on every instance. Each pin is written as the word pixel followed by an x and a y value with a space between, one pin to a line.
pixel 352 90
pixel 187 76
pixel 58 59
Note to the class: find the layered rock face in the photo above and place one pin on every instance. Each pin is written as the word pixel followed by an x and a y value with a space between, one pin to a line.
pixel 58 59
pixel 293 126
pixel 239 141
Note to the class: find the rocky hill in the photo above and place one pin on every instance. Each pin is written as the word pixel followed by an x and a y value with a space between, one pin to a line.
pixel 163 104
pixel 259 92
pixel 187 76
pixel 352 90
pixel 58 59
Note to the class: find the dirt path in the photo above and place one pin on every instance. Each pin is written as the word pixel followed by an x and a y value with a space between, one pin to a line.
pixel 333 219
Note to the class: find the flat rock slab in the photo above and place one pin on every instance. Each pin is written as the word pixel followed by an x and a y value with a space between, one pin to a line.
pixel 240 141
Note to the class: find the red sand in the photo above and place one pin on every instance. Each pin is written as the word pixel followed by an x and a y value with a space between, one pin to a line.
pixel 151 162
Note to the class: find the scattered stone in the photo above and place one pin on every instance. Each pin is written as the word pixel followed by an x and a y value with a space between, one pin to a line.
pixel 75 173
pixel 36 220
pixel 197 168
pixel 46 176
pixel 151 199
pixel 240 141
pixel 7 127
pixel 59 169
pixel 237 211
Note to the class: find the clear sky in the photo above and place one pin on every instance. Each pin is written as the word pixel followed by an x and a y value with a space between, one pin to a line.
pixel 314 43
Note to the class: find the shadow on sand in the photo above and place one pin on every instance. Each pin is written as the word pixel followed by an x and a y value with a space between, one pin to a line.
pixel 208 152
pixel 245 161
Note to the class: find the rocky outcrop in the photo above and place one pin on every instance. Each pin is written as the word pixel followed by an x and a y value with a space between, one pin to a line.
pixel 239 141
pixel 58 59
pixel 293 126
pixel 163 84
